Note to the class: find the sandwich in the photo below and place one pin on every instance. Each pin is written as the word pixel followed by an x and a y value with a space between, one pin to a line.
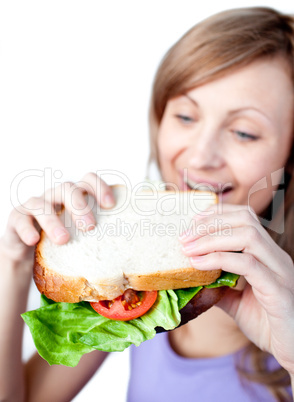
pixel 124 280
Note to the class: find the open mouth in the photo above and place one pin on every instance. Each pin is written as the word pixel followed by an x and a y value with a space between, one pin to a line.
pixel 219 189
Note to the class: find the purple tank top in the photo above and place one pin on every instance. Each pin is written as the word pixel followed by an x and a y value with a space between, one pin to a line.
pixel 159 374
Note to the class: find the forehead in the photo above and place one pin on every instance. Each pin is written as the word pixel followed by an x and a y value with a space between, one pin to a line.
pixel 265 81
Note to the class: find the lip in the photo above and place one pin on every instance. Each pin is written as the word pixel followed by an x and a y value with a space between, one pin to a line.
pixel 215 186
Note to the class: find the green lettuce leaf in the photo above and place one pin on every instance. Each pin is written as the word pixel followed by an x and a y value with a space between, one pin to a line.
pixel 226 279
pixel 63 332
pixel 185 295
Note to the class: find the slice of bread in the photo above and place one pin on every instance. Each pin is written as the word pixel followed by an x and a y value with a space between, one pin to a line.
pixel 134 245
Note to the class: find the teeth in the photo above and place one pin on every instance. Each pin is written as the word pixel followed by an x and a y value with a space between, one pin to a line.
pixel 199 186
pixel 202 187
pixel 205 188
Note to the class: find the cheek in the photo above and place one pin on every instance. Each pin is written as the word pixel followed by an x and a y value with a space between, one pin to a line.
pixel 163 145
pixel 254 177
pixel 165 152
pixel 168 143
pixel 250 174
pixel 257 163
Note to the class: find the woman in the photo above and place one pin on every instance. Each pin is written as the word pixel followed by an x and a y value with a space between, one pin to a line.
pixel 221 116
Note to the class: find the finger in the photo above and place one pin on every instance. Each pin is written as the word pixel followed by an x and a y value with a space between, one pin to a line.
pixel 220 209
pixel 220 222
pixel 73 198
pixel 54 228
pixel 247 239
pixel 97 187
pixel 266 285
pixel 223 208
pixel 259 277
pixel 230 302
pixel 239 305
pixel 24 232
pixel 40 211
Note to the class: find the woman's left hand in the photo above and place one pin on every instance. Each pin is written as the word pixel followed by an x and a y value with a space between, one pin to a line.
pixel 235 241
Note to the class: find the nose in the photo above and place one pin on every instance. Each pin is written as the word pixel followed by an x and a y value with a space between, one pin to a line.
pixel 205 151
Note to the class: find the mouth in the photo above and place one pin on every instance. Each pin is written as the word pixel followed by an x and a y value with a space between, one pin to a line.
pixel 217 188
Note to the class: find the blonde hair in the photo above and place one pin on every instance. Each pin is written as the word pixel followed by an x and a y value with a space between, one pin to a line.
pixel 213 48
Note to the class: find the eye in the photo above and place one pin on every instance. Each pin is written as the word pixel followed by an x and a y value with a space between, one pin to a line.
pixel 185 119
pixel 245 136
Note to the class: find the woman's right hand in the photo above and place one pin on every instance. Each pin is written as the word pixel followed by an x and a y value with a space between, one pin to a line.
pixel 25 221
pixel 16 261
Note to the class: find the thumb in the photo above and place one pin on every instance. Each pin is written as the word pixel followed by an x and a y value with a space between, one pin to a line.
pixel 231 302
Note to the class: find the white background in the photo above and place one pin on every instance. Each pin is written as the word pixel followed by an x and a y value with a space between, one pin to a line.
pixel 75 80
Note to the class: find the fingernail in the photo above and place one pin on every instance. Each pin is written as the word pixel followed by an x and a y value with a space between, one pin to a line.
pixel 188 247
pixel 59 233
pixel 108 201
pixel 184 235
pixel 199 216
pixel 32 238
pixel 187 236
pixel 89 224
pixel 196 260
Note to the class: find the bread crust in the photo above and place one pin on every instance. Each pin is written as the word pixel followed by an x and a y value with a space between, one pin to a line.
pixel 61 288
pixel 173 279
pixel 57 287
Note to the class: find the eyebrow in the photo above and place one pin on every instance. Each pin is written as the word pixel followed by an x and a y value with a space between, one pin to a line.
pixel 191 99
pixel 235 111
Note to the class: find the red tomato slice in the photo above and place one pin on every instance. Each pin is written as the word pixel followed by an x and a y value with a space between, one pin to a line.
pixel 125 308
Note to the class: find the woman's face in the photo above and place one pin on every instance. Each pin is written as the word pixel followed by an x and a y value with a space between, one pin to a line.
pixel 230 134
